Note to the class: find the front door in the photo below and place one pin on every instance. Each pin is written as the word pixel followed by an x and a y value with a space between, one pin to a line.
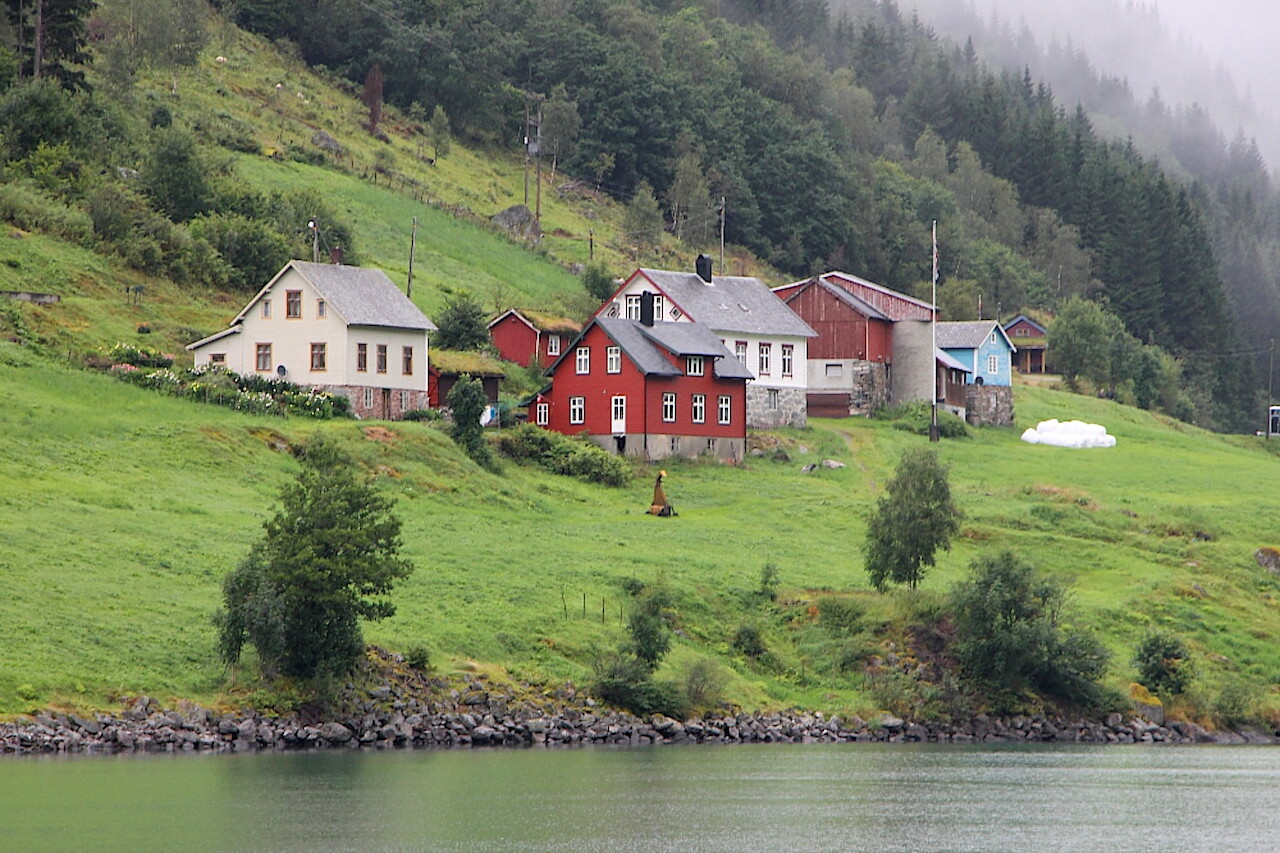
pixel 619 420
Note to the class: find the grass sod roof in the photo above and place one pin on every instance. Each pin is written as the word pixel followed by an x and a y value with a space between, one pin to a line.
pixel 474 363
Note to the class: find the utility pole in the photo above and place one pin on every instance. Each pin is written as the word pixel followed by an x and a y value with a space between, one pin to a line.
pixel 722 215
pixel 591 244
pixel 933 329
pixel 413 242
pixel 537 160
pixel 526 152
pixel 1271 373
pixel 315 240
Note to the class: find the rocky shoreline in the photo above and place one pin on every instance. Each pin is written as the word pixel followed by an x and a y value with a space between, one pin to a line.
pixel 477 718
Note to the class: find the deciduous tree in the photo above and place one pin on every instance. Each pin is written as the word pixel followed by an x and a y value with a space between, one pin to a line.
pixel 327 559
pixel 911 522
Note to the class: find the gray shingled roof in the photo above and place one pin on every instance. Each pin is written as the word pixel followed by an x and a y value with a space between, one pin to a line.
pixel 360 295
pixel 643 345
pixel 731 303
pixel 968 334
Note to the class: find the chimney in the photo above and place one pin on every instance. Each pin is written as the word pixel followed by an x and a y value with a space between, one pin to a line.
pixel 335 255
pixel 646 309
pixel 703 266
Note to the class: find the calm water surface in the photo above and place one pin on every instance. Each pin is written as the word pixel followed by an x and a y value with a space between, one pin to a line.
pixel 734 798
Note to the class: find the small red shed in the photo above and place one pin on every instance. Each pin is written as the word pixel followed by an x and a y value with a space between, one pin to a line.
pixel 529 336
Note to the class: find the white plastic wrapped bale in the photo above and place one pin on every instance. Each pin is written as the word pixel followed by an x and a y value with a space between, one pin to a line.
pixel 1069 434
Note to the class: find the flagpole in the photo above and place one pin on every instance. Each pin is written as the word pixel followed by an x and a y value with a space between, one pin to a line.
pixel 933 329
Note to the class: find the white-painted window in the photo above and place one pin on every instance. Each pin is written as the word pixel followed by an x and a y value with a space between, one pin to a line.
pixel 772 398
pixel 740 350
pixel 577 410
pixel 766 351
pixel 582 363
pixel 613 360
pixel 669 407
pixel 993 363
pixel 553 344
pixel 368 398
pixel 675 444
pixel 699 408
pixel 293 304
pixel 543 416
pixel 633 307
pixel 659 308
pixel 694 365
pixel 788 359
pixel 322 310
pixel 266 309
pixel 404 401
pixel 726 408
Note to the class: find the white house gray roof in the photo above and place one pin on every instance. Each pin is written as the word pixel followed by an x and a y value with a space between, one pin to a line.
pixel 968 334
pixel 642 344
pixel 216 336
pixel 730 303
pixel 360 295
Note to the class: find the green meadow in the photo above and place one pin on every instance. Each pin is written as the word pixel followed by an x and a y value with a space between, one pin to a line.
pixel 124 510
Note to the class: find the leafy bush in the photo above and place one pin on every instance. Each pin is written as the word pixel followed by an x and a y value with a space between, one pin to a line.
pixel 747 639
pixel 840 615
pixel 468 402
pixel 1164 663
pixel 561 454
pixel 649 625
pixel 139 356
pixel 1008 638
pixel 1236 705
pixel 704 684
pixel 423 415
pixel 30 209
pixel 625 681
pixel 419 658
pixel 769 580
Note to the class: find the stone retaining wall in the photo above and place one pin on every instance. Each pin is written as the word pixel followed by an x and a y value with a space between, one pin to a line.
pixel 477 718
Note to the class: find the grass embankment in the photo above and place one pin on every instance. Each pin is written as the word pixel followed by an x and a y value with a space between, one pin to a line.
pixel 125 509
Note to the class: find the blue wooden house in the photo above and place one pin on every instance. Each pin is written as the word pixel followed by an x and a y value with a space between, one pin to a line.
pixel 983 347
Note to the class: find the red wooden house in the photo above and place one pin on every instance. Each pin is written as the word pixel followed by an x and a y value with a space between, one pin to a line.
pixel 648 389
pixel 530 336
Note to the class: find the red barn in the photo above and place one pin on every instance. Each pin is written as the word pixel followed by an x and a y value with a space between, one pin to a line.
pixel 652 390
pixel 528 336
pixel 849 362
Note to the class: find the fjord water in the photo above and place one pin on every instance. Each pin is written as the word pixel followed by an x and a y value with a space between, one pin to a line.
pixel 849 797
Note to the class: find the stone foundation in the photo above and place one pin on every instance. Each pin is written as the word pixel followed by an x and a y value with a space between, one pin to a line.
pixel 662 446
pixel 791 409
pixel 989 405
pixel 388 404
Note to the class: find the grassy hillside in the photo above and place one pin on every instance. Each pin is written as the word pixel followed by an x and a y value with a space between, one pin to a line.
pixel 125 509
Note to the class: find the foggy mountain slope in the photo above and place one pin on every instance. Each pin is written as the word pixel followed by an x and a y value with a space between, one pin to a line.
pixel 1114 57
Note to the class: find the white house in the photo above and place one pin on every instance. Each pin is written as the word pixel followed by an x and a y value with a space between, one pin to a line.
pixel 346 330
pixel 755 325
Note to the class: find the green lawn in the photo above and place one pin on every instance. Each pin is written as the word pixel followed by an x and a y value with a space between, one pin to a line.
pixel 125 509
